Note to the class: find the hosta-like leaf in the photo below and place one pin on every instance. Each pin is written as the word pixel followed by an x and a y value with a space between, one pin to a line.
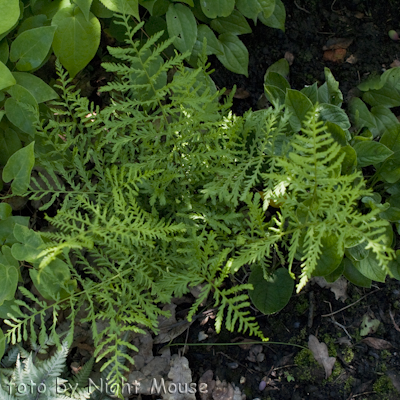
pixel 9 11
pixel 236 56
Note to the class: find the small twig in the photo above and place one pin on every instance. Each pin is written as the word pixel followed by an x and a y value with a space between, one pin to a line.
pixel 342 326
pixel 301 8
pixel 350 305
pixel 394 322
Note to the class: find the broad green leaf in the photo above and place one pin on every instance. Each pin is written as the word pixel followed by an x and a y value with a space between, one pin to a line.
pixel 31 47
pixel 9 144
pixel 268 8
pixel 392 214
pixel 5 211
pixel 337 133
pixel 188 2
pixel 372 82
pixel 130 7
pixel 280 67
pixel 371 153
pixel 6 78
pixel 275 95
pixel 299 105
pixel 335 95
pixel 39 89
pixel 8 282
pixel 236 56
pixel 390 170
pixel 277 18
pixel 156 8
pixel 323 93
pixel 384 119
pixel 52 280
pixel 394 266
pixel 235 23
pixel 28 248
pixel 250 8
pixel 36 21
pixel 217 8
pixel 387 97
pixel 330 257
pixel 9 11
pixel 358 252
pixel 7 258
pixel 101 11
pixel 17 110
pixel 181 24
pixel 51 8
pixel 4 51
pixel 214 46
pixel 84 5
pixel 332 113
pixel 75 40
pixel 271 295
pixel 370 268
pixel 311 92
pixel 7 229
pixel 336 274
pixel 157 24
pixel 354 276
pixel 18 169
pixel 350 160
pixel 360 115
pixel 276 79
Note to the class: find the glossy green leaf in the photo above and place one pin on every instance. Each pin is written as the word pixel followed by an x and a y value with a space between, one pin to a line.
pixel 275 95
pixel 31 47
pixel 360 115
pixel 28 248
pixel 299 105
pixel 130 7
pixel 371 153
pixel 7 229
pixel 390 170
pixel 387 97
pixel 18 168
pixel 2 344
pixel 278 16
pixel 4 51
pixel 236 56
pixel 6 78
pixel 250 8
pixel 332 113
pixel 350 160
pixel 188 2
pixel 335 95
pixel 384 119
pixel 52 280
pixel 75 40
pixel 235 23
pixel 182 25
pixel 100 10
pixel 36 21
pixel 271 295
pixel 17 110
pixel 9 144
pixel 311 92
pixel 370 268
pixel 84 5
pixel 217 8
pixel 9 11
pixel 280 67
pixel 276 79
pixel 354 276
pixel 214 46
pixel 394 266
pixel 337 133
pixel 330 257
pixel 39 89
pixel 49 8
pixel 5 211
pixel 8 282
pixel 358 252
pixel 156 8
pixel 336 274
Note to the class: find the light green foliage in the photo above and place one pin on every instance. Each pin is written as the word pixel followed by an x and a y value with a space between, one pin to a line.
pixel 40 380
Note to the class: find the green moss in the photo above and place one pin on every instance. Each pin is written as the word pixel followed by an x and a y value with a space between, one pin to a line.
pixel 348 385
pixel 348 355
pixel 384 386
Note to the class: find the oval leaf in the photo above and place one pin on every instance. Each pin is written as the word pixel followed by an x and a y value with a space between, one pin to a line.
pixel 18 168
pixel 234 23
pixel 371 153
pixel 75 40
pixel 130 7
pixel 39 89
pixel 30 48
pixel 271 295
pixel 6 78
pixel 182 24
pixel 217 8
pixel 236 56
pixel 299 105
pixel 9 11
pixel 8 282
pixel 277 18
pixel 9 144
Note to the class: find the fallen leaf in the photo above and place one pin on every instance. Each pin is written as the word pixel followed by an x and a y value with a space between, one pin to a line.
pixel 369 325
pixel 338 287
pixel 351 59
pixel 395 63
pixel 378 344
pixel 337 43
pixel 289 57
pixel 320 353
pixel 336 55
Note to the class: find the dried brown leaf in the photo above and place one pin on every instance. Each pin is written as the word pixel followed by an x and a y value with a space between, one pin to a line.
pixel 320 353
pixel 337 43
pixel 378 344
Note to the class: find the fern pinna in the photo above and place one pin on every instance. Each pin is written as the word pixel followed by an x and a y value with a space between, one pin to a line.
pixel 160 191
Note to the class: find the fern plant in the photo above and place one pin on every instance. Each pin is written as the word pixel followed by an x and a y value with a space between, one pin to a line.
pixel 160 191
